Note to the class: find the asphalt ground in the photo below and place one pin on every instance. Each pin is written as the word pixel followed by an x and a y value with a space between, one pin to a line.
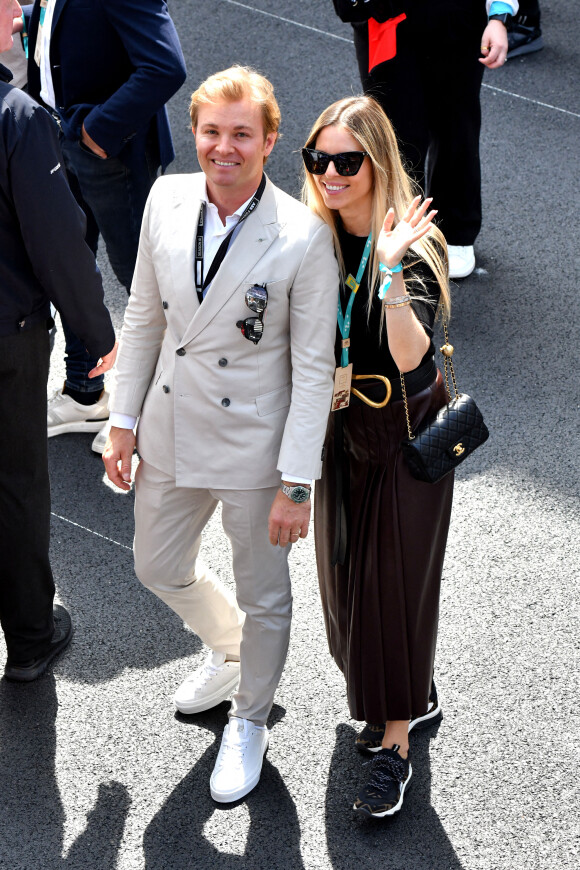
pixel 97 770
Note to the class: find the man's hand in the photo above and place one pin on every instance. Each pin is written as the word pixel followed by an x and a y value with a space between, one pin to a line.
pixel 92 145
pixel 288 521
pixel 107 362
pixel 494 45
pixel 117 456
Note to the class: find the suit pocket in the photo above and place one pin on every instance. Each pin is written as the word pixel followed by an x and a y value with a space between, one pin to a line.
pixel 267 403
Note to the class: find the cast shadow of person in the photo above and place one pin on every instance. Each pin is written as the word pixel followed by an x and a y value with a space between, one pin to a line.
pixel 414 837
pixel 177 836
pixel 32 816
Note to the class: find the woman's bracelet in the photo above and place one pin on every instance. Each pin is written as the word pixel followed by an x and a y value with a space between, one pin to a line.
pixel 393 271
pixel 388 273
pixel 397 302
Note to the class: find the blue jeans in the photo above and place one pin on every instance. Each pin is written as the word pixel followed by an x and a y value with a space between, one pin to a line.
pixel 112 194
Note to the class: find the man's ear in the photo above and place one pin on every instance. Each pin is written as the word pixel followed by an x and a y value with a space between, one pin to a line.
pixel 269 144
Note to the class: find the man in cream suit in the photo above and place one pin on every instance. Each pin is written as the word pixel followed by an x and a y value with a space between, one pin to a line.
pixel 227 359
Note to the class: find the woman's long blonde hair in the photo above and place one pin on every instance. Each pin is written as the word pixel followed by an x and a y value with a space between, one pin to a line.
pixel 392 188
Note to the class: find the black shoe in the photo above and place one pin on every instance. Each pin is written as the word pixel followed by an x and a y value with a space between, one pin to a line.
pixel 524 40
pixel 433 714
pixel 389 778
pixel 371 737
pixel 62 634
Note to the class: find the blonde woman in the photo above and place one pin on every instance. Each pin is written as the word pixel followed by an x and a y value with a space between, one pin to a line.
pixel 380 534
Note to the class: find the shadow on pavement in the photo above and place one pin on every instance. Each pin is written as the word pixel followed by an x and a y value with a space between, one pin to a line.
pixel 413 839
pixel 119 625
pixel 193 831
pixel 31 811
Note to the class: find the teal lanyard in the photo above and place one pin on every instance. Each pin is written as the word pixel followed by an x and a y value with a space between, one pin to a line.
pixel 344 320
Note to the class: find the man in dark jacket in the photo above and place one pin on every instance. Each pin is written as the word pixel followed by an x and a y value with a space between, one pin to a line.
pixel 106 68
pixel 43 258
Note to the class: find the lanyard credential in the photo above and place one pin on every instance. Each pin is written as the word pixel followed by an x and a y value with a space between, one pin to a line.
pixel 344 321
pixel 200 283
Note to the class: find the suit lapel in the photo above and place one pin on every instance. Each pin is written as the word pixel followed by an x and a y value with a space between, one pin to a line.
pixel 256 235
pixel 58 7
pixel 182 245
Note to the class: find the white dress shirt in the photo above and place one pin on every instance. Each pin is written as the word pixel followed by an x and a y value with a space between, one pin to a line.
pixel 46 85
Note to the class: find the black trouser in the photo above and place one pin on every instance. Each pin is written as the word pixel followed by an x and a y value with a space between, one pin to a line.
pixel 26 584
pixel 430 91
pixel 529 12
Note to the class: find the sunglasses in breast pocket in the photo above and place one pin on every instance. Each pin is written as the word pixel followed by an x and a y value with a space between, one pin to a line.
pixel 256 299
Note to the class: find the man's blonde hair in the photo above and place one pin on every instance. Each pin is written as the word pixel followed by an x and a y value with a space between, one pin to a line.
pixel 238 83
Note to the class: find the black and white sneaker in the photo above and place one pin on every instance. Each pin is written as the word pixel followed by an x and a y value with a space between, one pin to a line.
pixel 389 778
pixel 433 714
pixel 524 39
pixel 371 737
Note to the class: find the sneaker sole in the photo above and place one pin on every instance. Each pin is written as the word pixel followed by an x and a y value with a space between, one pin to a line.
pixel 80 426
pixel 242 791
pixel 536 45
pixel 98 449
pixel 364 812
pixel 465 273
pixel 430 718
pixel 210 701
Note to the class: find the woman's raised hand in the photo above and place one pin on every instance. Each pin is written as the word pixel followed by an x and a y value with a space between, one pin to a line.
pixel 393 244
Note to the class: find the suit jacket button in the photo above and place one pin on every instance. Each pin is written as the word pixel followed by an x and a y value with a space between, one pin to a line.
pixel 225 402
pixel 223 362
pixel 165 304
pixel 180 351
pixel 166 388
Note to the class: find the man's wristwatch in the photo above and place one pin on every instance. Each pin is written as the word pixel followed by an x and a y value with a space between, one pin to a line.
pixel 504 17
pixel 298 493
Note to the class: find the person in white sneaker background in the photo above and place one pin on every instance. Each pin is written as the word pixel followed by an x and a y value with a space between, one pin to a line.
pixel 227 359
pixel 106 68
pixel 424 63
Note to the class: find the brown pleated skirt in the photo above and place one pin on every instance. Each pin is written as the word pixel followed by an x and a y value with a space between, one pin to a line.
pixel 381 606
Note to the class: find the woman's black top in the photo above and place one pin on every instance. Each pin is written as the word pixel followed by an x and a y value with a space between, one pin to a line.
pixel 367 354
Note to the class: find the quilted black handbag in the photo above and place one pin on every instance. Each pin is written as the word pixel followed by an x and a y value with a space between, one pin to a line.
pixel 450 437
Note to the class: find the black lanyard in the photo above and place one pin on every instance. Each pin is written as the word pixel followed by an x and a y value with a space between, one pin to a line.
pixel 200 283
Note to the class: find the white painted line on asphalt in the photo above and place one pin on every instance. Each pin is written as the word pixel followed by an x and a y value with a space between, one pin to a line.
pixel 530 100
pixel 288 21
pixel 344 39
pixel 84 528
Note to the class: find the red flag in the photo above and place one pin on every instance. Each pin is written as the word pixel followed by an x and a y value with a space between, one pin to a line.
pixel 383 40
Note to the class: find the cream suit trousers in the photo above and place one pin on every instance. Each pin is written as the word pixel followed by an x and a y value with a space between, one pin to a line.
pixel 169 521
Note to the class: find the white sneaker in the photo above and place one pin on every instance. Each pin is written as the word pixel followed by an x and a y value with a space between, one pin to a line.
pixel 461 260
pixel 66 415
pixel 239 762
pixel 209 685
pixel 100 439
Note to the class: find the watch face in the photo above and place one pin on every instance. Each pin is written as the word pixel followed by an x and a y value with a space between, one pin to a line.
pixel 298 494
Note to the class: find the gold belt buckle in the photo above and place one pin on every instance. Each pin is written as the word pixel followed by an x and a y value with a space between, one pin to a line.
pixel 370 402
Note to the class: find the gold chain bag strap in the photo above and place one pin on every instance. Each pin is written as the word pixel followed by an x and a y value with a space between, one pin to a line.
pixel 446 440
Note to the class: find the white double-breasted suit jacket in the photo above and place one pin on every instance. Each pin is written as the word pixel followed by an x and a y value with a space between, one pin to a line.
pixel 216 410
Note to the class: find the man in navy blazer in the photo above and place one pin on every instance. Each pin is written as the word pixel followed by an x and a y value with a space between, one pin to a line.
pixel 106 69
